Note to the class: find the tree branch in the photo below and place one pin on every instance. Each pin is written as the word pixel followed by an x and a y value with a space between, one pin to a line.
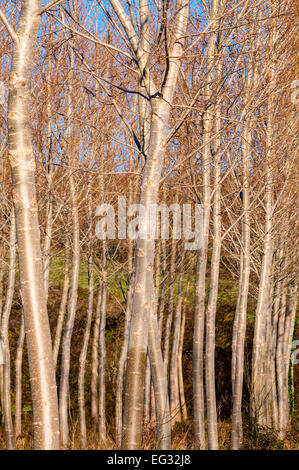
pixel 102 83
pixel 50 5
pixel 176 48
pixel 9 28
pixel 140 55
pixel 126 24
pixel 95 40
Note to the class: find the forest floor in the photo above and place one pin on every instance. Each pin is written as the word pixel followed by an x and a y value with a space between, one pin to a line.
pixel 182 435
pixel 182 438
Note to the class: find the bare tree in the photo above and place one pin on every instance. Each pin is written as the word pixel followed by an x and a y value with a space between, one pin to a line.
pixel 160 103
pixel 46 432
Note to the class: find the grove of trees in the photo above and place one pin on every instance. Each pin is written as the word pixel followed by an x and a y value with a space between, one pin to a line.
pixel 132 342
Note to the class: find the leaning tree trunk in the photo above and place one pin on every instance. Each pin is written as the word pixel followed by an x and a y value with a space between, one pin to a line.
pixel 42 375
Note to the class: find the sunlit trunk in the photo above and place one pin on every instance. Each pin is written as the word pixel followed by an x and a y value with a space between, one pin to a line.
pixel 42 376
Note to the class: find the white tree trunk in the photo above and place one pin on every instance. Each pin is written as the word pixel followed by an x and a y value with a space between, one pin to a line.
pixel 42 375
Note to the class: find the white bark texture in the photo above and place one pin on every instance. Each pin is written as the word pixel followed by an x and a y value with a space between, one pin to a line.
pixel 42 376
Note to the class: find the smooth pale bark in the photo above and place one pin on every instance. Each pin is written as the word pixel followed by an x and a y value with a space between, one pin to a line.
pixel 138 337
pixel 18 381
pixel 63 304
pixel 286 323
pixel 239 328
pixel 143 103
pixel 74 277
pixel 199 308
pixel 241 309
pixel 47 245
pixel 67 336
pixel 162 271
pixel 198 342
pixel 214 276
pixel 2 274
pixel 6 392
pixel 49 177
pixel 102 349
pixel 236 325
pixel 262 387
pixel 260 392
pixel 210 339
pixel 163 275
pixel 123 355
pixel 240 319
pixel 153 411
pixel 142 299
pixel 96 328
pixel 276 307
pixel 42 374
pixel 103 313
pixel 269 370
pixel 125 341
pixel 290 322
pixel 175 409
pixel 158 277
pixel 83 354
pixel 289 338
pixel 159 380
pixel 280 364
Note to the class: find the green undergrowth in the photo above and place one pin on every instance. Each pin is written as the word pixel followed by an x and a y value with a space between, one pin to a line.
pixel 117 277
